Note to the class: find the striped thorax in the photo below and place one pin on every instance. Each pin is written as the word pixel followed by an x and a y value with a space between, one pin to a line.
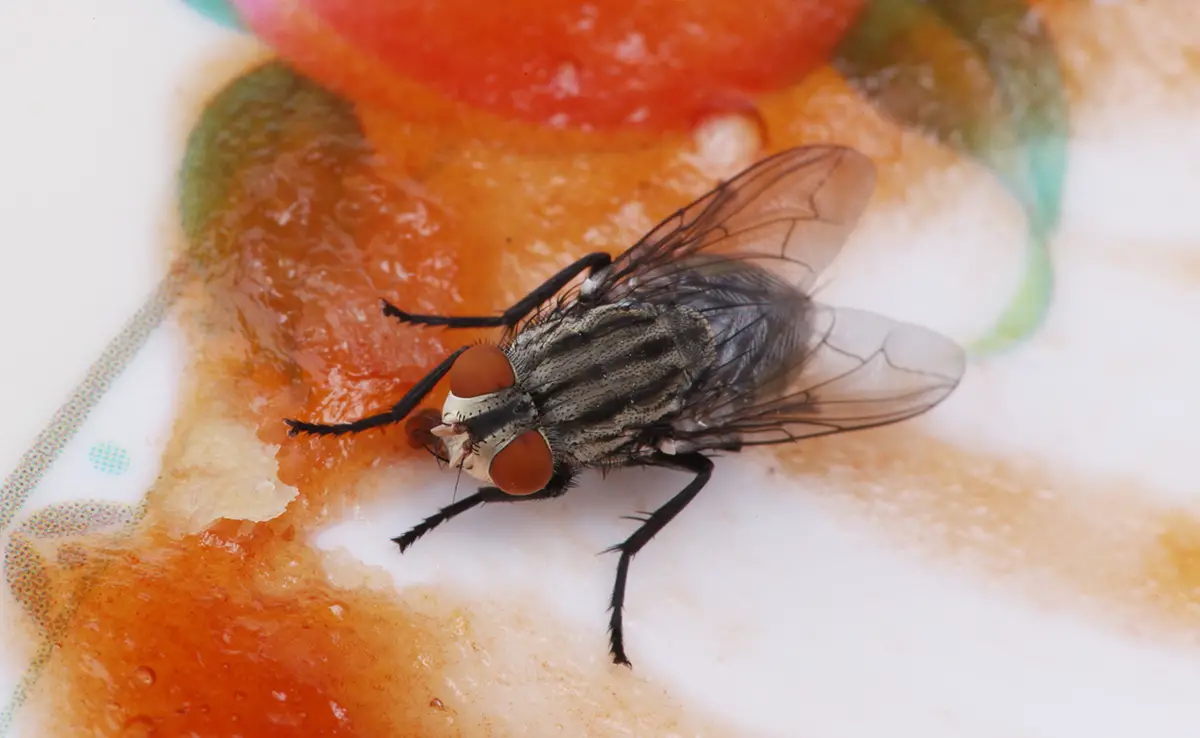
pixel 589 387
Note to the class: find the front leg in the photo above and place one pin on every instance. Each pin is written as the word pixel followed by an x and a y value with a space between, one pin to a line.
pixel 557 486
pixel 702 466
pixel 512 316
pixel 399 411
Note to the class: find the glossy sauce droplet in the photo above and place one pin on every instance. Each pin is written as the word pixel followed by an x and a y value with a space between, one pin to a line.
pixel 145 676
pixel 481 370
pixel 524 466
pixel 140 726
pixel 728 143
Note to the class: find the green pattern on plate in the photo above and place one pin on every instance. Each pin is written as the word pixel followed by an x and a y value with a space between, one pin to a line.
pixel 982 77
pixel 217 11
pixel 109 458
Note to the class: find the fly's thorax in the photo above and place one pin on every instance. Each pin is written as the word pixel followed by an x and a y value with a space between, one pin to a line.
pixel 602 378
pixel 490 424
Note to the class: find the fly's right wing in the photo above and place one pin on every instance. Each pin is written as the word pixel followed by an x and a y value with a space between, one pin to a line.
pixel 854 369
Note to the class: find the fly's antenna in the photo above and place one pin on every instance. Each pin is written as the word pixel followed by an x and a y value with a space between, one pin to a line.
pixel 457 479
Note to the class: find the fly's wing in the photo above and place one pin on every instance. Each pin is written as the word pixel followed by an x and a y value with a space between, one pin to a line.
pixel 844 369
pixel 793 209
pixel 853 369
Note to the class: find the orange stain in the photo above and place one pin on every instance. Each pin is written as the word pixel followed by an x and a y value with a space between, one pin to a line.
pixel 1094 547
pixel 236 632
pixel 1174 564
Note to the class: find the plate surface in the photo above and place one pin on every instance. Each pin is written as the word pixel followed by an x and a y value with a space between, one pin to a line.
pixel 1022 561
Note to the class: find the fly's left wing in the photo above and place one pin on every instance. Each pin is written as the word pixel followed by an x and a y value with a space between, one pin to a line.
pixel 854 369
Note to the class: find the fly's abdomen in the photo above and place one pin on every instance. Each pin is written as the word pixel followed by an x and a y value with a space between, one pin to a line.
pixel 759 325
pixel 600 378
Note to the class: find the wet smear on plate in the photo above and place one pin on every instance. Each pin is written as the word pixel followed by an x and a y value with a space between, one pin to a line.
pixel 1173 566
pixel 45 542
pixel 26 568
pixel 245 127
pixel 257 653
pixel 298 234
pixel 1092 547
pixel 270 647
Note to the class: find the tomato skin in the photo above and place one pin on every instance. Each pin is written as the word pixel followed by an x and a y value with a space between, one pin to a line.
pixel 656 64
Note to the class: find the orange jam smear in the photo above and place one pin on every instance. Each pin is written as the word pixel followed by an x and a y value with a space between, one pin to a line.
pixel 184 638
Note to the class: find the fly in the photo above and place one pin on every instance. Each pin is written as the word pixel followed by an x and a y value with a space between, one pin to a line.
pixel 701 338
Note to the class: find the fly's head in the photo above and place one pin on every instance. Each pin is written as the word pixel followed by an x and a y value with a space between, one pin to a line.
pixel 489 425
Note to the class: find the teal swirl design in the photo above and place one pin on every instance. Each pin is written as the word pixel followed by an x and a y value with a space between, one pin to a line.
pixel 982 77
pixel 218 11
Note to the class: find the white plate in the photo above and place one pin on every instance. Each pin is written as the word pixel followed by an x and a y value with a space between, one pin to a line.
pixel 825 605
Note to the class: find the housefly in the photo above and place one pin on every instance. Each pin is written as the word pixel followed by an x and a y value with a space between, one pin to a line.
pixel 701 338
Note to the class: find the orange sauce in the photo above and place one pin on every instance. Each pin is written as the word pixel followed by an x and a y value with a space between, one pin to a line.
pixel 202 636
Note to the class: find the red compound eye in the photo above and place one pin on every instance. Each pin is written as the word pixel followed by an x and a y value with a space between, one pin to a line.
pixel 481 370
pixel 524 466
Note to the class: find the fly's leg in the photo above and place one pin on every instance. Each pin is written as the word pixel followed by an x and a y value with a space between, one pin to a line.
pixel 557 486
pixel 697 463
pixel 514 314
pixel 398 412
